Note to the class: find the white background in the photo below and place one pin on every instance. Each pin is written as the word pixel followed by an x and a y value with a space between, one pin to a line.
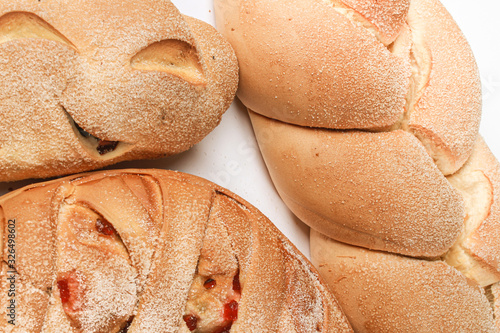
pixel 229 155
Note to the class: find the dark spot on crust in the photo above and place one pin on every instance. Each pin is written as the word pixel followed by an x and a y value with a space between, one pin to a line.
pixel 125 328
pixel 191 321
pixel 104 227
pixel 209 283
pixel 82 132
pixel 104 147
pixel 236 282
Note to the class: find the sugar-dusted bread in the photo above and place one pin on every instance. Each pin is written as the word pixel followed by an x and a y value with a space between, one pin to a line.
pixel 367 113
pixel 458 292
pixel 384 292
pixel 87 84
pixel 361 109
pixel 381 191
pixel 152 251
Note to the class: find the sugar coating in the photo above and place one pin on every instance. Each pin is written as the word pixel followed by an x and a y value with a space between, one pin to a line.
pixel 65 62
pixel 439 108
pixel 386 173
pixel 140 273
pixel 381 291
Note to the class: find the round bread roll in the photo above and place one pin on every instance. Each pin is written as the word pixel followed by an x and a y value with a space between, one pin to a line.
pixel 152 251
pixel 89 84
pixel 360 108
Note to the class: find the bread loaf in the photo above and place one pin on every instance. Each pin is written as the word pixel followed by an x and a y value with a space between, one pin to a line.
pixel 88 84
pixel 152 251
pixel 358 108
pixel 384 292
pixel 367 114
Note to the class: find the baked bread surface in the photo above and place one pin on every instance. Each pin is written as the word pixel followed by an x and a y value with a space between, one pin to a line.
pixel 396 81
pixel 367 114
pixel 88 84
pixel 153 251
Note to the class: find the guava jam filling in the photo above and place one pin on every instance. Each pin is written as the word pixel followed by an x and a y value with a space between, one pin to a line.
pixel 70 292
pixel 212 305
pixel 104 227
pixel 104 146
pixel 231 311
pixel 236 283
pixel 191 321
pixel 210 283
pixel 64 292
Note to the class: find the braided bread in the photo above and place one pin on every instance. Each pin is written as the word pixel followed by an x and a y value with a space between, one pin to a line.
pixel 459 292
pixel 367 115
pixel 359 130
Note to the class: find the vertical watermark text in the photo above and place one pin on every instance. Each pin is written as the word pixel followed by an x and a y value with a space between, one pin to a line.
pixel 11 271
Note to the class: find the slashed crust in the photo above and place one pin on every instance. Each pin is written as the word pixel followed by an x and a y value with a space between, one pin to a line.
pixel 140 76
pixel 117 249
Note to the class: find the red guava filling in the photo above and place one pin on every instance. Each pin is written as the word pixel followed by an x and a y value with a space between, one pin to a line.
pixel 210 283
pixel 104 227
pixel 70 292
pixel 191 321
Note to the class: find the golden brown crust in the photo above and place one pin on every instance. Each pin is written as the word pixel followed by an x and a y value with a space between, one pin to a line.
pixel 343 184
pixel 273 42
pixel 327 74
pixel 382 292
pixel 495 294
pixel 447 113
pixel 141 75
pixel 456 289
pixel 484 241
pixel 387 16
pixel 386 188
pixel 124 247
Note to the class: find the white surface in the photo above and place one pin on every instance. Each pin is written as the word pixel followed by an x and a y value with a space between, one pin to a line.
pixel 479 23
pixel 229 155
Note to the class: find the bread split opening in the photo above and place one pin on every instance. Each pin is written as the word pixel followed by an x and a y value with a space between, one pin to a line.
pixel 16 25
pixel 107 283
pixel 476 191
pixel 409 45
pixel 91 227
pixel 477 185
pixel 97 147
pixel 172 56
pixel 214 295
pixel 357 19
